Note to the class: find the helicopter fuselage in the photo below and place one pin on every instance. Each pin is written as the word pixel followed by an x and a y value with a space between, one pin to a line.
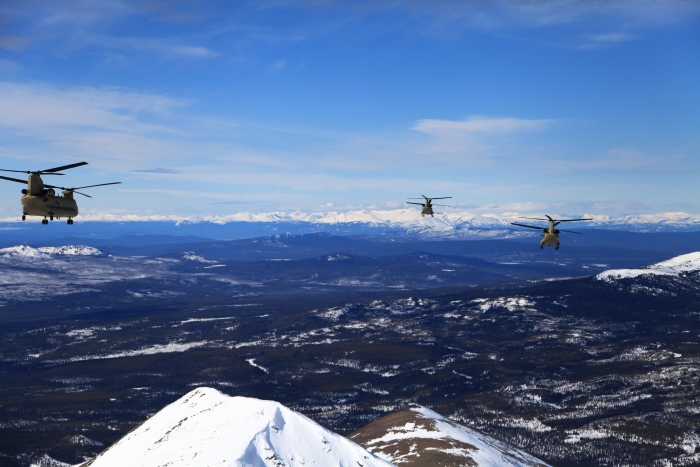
pixel 49 206
pixel 550 239
pixel 427 210
pixel 550 236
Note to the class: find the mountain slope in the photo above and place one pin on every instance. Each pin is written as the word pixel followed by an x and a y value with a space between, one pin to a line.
pixel 682 264
pixel 420 437
pixel 207 428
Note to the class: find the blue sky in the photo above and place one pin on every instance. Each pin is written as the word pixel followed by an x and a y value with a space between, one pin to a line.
pixel 559 106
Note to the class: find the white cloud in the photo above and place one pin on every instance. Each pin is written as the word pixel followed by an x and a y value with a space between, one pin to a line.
pixel 495 14
pixel 117 124
pixel 597 41
pixel 615 159
pixel 194 52
pixel 477 124
pixel 472 135
pixel 279 65
pixel 163 47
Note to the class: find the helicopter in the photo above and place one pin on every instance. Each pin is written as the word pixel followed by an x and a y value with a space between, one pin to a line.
pixel 550 235
pixel 428 205
pixel 41 200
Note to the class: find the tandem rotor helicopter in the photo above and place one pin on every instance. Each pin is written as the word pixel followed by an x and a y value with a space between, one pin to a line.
pixel 41 200
pixel 550 235
pixel 428 205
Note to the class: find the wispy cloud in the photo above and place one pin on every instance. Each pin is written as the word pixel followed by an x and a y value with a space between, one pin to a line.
pixel 158 170
pixel 504 13
pixel 477 124
pixel 163 47
pixel 597 41
pixel 116 125
pixel 279 65
pixel 470 135
pixel 615 159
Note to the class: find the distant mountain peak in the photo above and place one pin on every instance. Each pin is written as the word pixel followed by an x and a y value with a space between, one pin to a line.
pixel 419 436
pixel 208 428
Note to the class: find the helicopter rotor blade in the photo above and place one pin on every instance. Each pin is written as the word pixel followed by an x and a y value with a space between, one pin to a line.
pixel 88 196
pixel 14 179
pixel 28 172
pixel 63 167
pixel 419 204
pixel 574 220
pixel 18 171
pixel 444 197
pixel 548 217
pixel 528 226
pixel 91 186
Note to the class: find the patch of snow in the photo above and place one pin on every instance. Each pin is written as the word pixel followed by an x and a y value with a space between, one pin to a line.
pixel 509 303
pixel 574 436
pixel 252 362
pixel 192 256
pixel 338 257
pixel 202 320
pixel 532 425
pixel 172 347
pixel 80 440
pixel 48 461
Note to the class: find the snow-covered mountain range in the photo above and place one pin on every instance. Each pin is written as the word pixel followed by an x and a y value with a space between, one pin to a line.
pixel 445 222
pixel 419 436
pixel 206 427
pixel 463 220
pixel 671 267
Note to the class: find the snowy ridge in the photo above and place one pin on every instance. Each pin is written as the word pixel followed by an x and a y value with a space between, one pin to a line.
pixel 419 436
pixel 46 251
pixel 208 428
pixel 71 250
pixel 671 267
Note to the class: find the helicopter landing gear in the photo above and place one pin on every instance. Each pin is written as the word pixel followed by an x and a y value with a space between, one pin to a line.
pixel 24 217
pixel 51 216
pixel 541 246
pixel 44 221
pixel 556 247
pixel 69 222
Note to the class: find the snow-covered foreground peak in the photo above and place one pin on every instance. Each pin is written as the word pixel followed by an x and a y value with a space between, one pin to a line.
pixel 419 437
pixel 26 251
pixel 208 428
pixel 671 267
